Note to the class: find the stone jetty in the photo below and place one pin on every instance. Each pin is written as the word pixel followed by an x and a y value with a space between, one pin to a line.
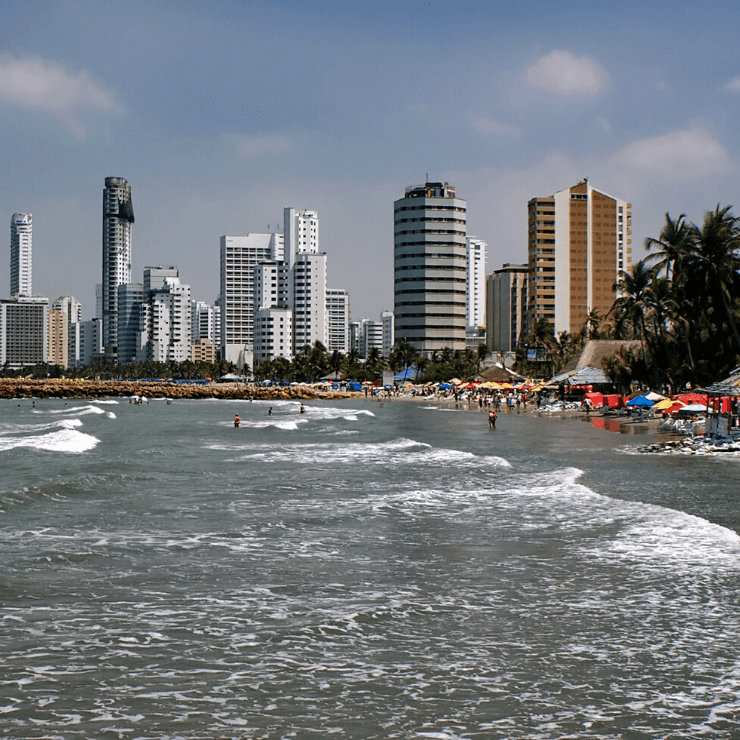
pixel 20 388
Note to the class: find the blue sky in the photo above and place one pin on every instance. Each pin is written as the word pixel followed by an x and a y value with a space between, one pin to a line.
pixel 221 114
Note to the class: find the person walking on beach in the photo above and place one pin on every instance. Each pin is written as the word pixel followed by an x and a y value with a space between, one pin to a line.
pixel 237 421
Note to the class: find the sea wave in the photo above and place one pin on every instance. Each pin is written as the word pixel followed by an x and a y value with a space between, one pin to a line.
pixel 63 440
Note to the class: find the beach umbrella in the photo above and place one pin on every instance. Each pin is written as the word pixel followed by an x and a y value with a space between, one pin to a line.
pixel 642 402
pixel 693 408
pixel 693 397
pixel 653 396
pixel 667 403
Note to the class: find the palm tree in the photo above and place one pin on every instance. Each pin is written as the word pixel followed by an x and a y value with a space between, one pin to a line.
pixel 673 244
pixel 713 263
pixel 632 289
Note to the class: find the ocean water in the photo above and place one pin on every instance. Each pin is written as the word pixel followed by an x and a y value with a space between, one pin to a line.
pixel 360 571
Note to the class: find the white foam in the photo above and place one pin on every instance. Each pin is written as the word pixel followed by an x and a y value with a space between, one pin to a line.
pixel 105 400
pixel 77 410
pixel 64 440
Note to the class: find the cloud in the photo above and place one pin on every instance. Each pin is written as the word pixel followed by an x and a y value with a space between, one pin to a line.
pixel 563 73
pixel 489 126
pixel 733 85
pixel 260 146
pixel 35 84
pixel 678 155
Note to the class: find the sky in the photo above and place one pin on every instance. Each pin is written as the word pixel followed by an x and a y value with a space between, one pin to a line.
pixel 220 114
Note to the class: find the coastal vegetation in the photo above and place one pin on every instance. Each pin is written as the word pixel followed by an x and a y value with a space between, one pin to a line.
pixel 682 302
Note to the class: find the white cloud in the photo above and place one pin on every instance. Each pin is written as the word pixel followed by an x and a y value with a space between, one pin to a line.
pixel 733 85
pixel 489 126
pixel 563 73
pixel 678 155
pixel 259 146
pixel 35 84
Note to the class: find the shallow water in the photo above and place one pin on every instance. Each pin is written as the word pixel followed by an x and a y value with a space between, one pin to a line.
pixel 361 571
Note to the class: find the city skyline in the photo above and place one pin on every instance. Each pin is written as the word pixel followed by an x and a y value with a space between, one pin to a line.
pixel 216 131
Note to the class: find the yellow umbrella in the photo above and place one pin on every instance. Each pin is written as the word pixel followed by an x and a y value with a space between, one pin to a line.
pixel 666 403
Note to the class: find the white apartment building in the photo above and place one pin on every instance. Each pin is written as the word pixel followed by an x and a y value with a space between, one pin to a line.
pixel 476 286
pixel 386 318
pixel 206 322
pixel 85 342
pixel 24 331
pixel 337 317
pixel 273 334
pixel 21 254
pixel 239 257
pixel 430 268
pixel 164 317
pixel 118 218
pixel 69 306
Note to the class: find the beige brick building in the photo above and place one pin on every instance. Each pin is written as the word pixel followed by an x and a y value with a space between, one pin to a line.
pixel 579 242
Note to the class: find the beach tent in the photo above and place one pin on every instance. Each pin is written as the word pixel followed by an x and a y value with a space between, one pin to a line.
pixel 642 402
pixel 693 397
pixel 407 374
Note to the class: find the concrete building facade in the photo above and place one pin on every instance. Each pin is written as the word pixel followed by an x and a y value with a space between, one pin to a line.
pixel 239 257
pixel 476 285
pixel 430 268
pixel 337 320
pixel 21 254
pixel 506 307
pixel 579 241
pixel 118 218
pixel 24 331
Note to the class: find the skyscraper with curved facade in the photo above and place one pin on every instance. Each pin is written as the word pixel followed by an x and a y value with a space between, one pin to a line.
pixel 118 217
pixel 21 254
pixel 430 268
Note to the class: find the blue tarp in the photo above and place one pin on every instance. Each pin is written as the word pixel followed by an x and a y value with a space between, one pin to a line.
pixel 354 386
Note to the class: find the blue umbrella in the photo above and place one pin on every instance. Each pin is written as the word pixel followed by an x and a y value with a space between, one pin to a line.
pixel 641 402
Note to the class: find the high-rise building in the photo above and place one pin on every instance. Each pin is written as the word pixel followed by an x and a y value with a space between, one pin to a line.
pixel 386 318
pixel 85 342
pixel 21 254
pixel 58 338
pixel 306 277
pixel 24 331
pixel 164 317
pixel 206 322
pixel 130 299
pixel 239 257
pixel 506 307
pixel 118 217
pixel 578 243
pixel 430 268
pixel 476 286
pixel 337 320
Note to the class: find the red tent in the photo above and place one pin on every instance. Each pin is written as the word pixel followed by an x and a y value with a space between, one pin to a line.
pixel 692 397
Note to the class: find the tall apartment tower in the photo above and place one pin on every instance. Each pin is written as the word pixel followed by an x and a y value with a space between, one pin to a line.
pixel 430 267
pixel 240 255
pixel 579 241
pixel 306 277
pixel 118 217
pixel 21 254
pixel 506 307
pixel 337 320
pixel 476 282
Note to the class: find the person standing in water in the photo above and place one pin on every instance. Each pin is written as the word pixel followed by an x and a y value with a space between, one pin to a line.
pixel 491 419
pixel 237 421
pixel 269 411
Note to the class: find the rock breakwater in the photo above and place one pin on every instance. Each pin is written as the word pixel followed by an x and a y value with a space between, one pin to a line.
pixel 15 388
